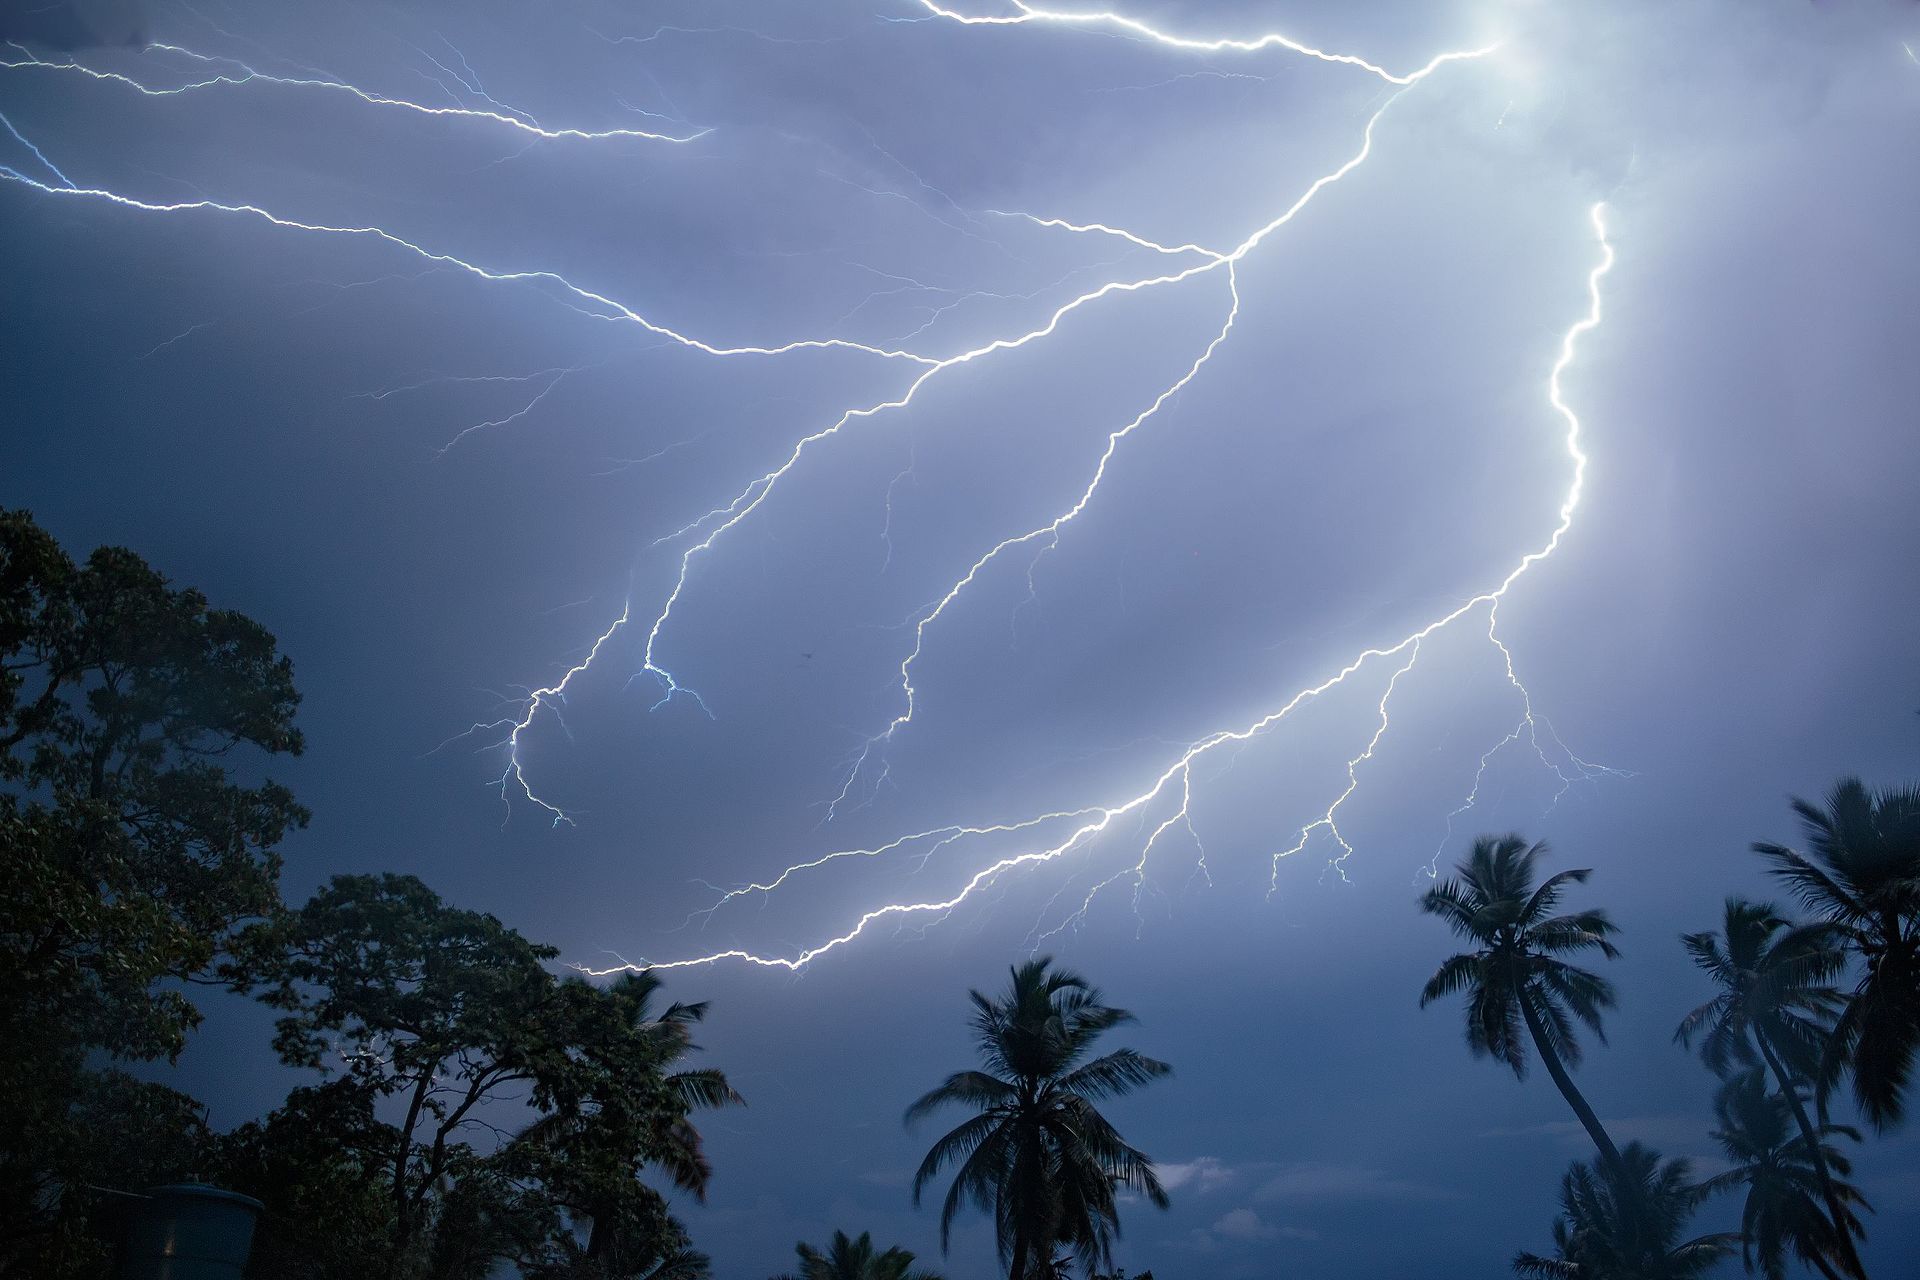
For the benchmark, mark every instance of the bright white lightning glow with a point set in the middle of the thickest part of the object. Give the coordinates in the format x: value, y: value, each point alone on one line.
x: 1029, y: 13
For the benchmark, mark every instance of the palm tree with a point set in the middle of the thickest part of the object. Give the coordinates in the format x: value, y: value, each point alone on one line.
x: 1783, y: 1174
x: 1621, y: 1219
x: 1774, y: 1006
x: 1039, y: 1155
x: 1516, y: 977
x: 1862, y: 871
x: 697, y: 1088
x: 615, y: 1120
x: 855, y: 1260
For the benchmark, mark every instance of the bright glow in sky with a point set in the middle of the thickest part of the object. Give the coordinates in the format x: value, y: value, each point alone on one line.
x: 894, y: 488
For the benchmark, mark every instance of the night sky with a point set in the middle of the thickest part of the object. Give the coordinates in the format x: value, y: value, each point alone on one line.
x: 438, y: 488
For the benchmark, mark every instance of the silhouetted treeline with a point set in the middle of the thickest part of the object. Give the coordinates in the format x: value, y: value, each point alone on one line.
x: 468, y: 1109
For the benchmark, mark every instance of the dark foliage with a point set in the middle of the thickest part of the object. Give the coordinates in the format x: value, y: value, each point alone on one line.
x: 1515, y: 978
x: 1774, y: 1007
x: 1861, y: 871
x: 132, y: 849
x: 847, y: 1259
x: 1623, y: 1218
x: 1039, y: 1156
x: 1787, y: 1179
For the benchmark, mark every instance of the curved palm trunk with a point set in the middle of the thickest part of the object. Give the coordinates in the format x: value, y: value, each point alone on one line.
x: 1849, y: 1258
x: 1560, y: 1077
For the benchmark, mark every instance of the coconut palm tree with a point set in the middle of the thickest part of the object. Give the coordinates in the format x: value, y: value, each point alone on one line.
x: 1781, y: 1171
x: 1622, y: 1218
x: 1039, y: 1155
x: 1774, y: 1006
x: 1861, y: 870
x: 1515, y: 978
x: 847, y: 1259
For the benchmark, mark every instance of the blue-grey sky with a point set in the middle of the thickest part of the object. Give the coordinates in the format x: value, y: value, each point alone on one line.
x: 438, y: 489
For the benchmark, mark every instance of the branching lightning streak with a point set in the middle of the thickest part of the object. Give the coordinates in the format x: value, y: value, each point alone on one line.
x: 1099, y: 820
x: 1051, y: 836
x: 716, y: 523
x: 750, y: 498
x: 1047, y: 535
x: 621, y: 313
x: 38, y: 154
x: 519, y: 122
x: 1028, y: 13
x: 1329, y: 821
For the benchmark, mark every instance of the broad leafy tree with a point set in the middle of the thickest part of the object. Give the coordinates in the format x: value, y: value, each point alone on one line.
x: 437, y: 1009
x: 1515, y: 977
x: 1787, y: 1179
x: 1039, y: 1156
x: 441, y: 1017
x: 1624, y: 1219
x: 319, y: 1164
x: 849, y: 1259
x: 135, y: 839
x: 1861, y: 870
x: 619, y: 1101
x: 1774, y: 1006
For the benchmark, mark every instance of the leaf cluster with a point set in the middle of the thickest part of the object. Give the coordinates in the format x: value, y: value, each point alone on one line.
x: 1039, y: 1156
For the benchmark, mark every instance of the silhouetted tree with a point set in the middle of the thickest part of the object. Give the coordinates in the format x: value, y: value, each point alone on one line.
x: 1039, y: 1155
x: 1515, y: 978
x: 317, y: 1164
x: 437, y: 1008
x: 1622, y: 1219
x: 131, y: 852
x: 846, y: 1259
x: 1782, y: 1173
x: 435, y: 1012
x: 1862, y: 871
x: 1774, y: 1006
x: 618, y: 1106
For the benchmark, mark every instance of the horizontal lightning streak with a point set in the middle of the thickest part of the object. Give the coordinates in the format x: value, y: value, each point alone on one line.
x: 621, y: 312
x: 249, y: 75
x: 1028, y: 13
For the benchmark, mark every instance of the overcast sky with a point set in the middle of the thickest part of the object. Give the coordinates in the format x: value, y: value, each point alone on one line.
x: 438, y: 489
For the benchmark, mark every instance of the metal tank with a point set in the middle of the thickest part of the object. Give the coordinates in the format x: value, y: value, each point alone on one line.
x: 190, y: 1231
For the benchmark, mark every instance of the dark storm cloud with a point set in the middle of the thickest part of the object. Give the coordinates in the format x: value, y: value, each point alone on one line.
x: 75, y: 24
x: 262, y: 411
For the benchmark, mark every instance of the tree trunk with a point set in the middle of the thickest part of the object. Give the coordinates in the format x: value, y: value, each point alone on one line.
x: 1848, y: 1257
x: 402, y: 1201
x: 1591, y: 1121
x: 1018, y: 1270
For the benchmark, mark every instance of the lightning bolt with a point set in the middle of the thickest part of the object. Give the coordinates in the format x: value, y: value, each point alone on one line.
x: 1085, y: 826
x: 1162, y: 811
x: 1026, y: 13
x: 1045, y: 537
x: 506, y: 118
